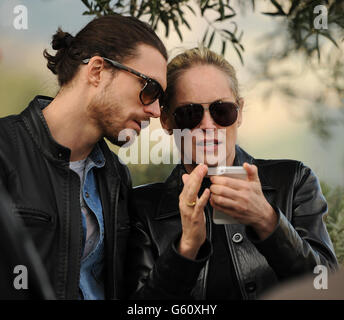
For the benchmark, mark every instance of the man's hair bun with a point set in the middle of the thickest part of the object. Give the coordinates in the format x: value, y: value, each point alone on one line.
x: 61, y: 40
x: 112, y: 36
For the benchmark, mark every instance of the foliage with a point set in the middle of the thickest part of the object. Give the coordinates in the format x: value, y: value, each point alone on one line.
x: 296, y: 31
x: 335, y: 218
x: 321, y: 52
x: 299, y: 15
x: 300, y: 18
x: 176, y: 13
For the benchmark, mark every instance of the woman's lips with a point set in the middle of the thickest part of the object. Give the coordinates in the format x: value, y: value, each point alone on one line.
x: 208, y: 145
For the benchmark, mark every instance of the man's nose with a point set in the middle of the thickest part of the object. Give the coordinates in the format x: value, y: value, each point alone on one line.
x: 153, y: 109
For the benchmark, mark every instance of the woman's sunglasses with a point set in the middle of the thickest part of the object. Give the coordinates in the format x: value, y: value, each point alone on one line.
x: 151, y: 89
x: 190, y: 115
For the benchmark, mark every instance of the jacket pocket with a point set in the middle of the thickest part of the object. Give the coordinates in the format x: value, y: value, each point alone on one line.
x: 33, y: 216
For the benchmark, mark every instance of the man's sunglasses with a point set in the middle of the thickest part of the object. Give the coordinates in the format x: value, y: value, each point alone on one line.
x: 151, y: 89
x: 190, y: 115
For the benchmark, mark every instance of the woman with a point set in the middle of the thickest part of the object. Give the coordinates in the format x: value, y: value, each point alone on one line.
x: 176, y: 251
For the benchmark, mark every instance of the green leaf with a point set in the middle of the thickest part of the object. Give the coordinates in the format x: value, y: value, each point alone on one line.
x: 230, y: 8
x: 240, y: 36
x: 273, y: 13
x: 176, y: 27
x: 236, y: 27
x: 142, y: 8
x: 191, y: 9
x: 317, y: 45
x: 204, y: 7
x: 181, y: 14
x: 221, y: 9
x: 224, y: 45
x: 133, y: 7
x: 228, y: 16
x: 278, y: 6
x: 164, y: 19
x: 328, y: 36
x: 87, y: 4
x: 239, y: 54
x: 211, y: 39
x: 293, y: 6
x: 205, y: 35
x: 231, y: 34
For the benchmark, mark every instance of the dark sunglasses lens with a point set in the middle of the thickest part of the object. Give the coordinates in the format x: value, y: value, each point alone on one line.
x: 188, y: 117
x: 224, y: 113
x: 151, y: 91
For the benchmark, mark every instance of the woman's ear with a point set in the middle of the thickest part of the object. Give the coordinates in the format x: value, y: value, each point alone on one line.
x: 166, y: 122
x: 241, y: 107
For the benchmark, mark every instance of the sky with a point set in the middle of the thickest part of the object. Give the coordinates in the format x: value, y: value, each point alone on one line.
x: 270, y: 130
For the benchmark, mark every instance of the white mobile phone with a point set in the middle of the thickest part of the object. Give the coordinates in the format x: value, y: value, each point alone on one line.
x: 233, y: 172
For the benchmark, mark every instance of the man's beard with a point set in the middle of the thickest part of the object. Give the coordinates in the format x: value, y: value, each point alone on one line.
x: 115, y: 141
x: 102, y: 114
x: 125, y: 138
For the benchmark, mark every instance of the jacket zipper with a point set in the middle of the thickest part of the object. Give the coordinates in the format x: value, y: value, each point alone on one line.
x: 81, y: 235
x: 79, y: 186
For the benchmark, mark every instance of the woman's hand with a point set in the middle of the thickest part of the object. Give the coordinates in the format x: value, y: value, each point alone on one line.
x: 244, y: 200
x: 192, y: 212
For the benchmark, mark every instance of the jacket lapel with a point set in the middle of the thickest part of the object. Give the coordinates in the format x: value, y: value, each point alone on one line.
x: 169, y: 201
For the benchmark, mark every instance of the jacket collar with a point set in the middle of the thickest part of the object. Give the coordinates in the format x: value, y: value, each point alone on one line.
x: 168, y: 205
x: 38, y: 129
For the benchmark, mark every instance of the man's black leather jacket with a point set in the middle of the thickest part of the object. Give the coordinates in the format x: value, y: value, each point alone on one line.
x: 34, y: 169
x: 300, y: 241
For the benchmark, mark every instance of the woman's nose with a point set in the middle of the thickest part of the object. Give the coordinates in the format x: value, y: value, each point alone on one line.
x: 207, y: 121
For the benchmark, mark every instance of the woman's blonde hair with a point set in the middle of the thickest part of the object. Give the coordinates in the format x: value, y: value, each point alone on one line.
x: 191, y: 58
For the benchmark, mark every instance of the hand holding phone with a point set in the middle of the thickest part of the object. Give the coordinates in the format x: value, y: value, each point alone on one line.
x: 236, y: 172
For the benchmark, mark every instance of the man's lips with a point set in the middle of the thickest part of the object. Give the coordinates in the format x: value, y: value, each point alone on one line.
x: 145, y: 123
x: 142, y: 123
x: 137, y: 126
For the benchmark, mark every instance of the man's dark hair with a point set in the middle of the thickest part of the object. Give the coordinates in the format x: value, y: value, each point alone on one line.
x: 114, y: 36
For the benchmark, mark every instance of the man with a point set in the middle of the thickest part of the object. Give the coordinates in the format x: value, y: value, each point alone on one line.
x: 67, y: 186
